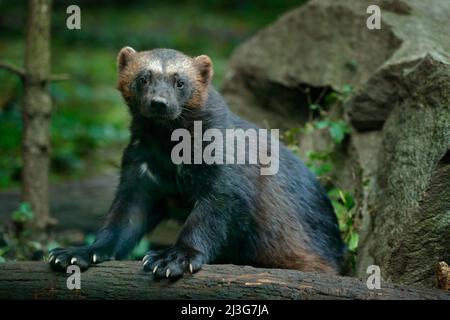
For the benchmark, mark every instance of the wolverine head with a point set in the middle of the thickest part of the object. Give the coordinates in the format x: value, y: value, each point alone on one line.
x: 160, y: 83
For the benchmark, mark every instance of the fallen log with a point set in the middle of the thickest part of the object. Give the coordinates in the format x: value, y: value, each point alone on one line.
x: 80, y: 205
x: 127, y: 280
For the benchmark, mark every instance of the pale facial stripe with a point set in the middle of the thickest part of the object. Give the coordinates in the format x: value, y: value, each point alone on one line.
x: 155, y: 65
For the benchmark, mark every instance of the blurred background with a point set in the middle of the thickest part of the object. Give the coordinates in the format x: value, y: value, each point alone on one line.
x: 89, y: 126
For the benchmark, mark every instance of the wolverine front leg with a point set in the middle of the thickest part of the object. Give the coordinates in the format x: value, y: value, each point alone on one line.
x: 129, y: 217
x: 124, y: 228
x: 200, y: 241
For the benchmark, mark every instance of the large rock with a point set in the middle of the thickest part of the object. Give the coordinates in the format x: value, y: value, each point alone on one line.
x: 397, y: 160
x: 322, y: 44
x: 409, y: 206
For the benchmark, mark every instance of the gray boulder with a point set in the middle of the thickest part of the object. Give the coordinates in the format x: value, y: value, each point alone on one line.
x: 396, y: 162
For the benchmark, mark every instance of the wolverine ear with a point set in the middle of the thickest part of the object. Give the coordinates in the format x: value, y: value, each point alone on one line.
x: 124, y: 57
x: 204, y: 65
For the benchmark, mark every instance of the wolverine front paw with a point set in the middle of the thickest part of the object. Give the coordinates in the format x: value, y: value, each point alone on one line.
x: 83, y: 257
x: 173, y: 262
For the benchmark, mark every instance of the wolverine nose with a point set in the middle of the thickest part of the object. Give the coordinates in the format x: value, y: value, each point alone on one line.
x: 159, y: 103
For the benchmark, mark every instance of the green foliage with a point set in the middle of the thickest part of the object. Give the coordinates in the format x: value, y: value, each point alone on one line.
x: 23, y: 215
x: 337, y: 129
x: 343, y: 204
x: 322, y: 162
x: 319, y: 162
x: 18, y: 243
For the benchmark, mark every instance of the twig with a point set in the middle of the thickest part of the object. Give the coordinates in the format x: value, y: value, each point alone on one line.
x: 9, y: 67
x: 21, y: 72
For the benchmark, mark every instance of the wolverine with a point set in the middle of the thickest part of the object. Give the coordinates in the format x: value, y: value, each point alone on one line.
x: 233, y: 214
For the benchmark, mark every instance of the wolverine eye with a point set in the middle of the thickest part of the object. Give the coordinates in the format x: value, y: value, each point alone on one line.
x: 180, y: 84
x: 143, y: 80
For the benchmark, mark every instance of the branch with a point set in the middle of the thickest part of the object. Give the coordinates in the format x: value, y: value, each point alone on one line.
x: 127, y: 280
x: 21, y: 72
x: 9, y: 67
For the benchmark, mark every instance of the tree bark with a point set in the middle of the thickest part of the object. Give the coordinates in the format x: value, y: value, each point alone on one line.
x: 36, y: 112
x: 127, y: 280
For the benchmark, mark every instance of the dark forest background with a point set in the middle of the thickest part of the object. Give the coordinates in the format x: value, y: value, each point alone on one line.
x: 89, y: 124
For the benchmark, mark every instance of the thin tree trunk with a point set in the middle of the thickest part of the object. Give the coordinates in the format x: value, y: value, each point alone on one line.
x: 36, y: 112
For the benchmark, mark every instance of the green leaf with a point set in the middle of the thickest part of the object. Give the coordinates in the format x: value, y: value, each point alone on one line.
x: 318, y: 155
x: 23, y: 214
x: 338, y: 130
x: 347, y: 89
x: 321, y: 169
x: 322, y: 124
x: 342, y: 196
x: 336, y: 133
x: 314, y: 106
x: 331, y: 98
x: 353, y: 242
x: 140, y: 250
x: 346, y: 199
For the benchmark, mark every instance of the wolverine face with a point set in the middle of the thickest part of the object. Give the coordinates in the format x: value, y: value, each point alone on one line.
x: 161, y: 83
